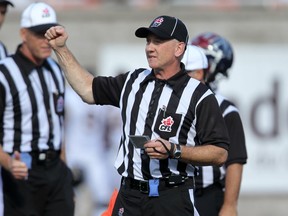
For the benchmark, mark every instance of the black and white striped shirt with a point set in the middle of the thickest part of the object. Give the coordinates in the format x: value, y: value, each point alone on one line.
x: 180, y: 109
x: 237, y: 153
x: 31, y: 104
x: 3, y: 51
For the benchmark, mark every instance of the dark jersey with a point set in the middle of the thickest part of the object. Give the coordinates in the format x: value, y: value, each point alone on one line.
x: 237, y: 153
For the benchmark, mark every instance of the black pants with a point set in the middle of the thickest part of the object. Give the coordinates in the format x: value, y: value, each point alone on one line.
x: 172, y: 201
x: 48, y: 191
x: 208, y: 201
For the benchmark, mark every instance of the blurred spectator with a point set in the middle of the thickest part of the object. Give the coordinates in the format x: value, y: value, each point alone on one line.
x: 69, y: 4
x: 150, y: 4
x: 143, y: 4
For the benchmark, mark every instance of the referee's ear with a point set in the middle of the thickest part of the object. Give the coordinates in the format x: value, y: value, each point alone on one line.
x: 23, y: 33
x: 180, y: 50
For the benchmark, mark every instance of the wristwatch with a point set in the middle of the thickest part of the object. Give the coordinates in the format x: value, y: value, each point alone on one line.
x: 177, y: 153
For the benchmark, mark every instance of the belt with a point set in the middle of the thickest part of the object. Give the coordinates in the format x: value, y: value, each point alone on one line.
x: 45, y: 156
x: 164, y: 183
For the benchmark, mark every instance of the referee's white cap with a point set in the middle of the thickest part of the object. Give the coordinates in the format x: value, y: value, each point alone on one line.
x: 194, y: 58
x: 38, y: 17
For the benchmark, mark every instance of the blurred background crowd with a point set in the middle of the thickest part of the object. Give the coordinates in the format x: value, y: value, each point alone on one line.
x: 102, y: 37
x: 156, y: 3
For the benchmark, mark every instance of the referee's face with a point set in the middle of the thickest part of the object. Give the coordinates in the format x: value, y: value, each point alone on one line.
x: 162, y: 53
x: 35, y: 46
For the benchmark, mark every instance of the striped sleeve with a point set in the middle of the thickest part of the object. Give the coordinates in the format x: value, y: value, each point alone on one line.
x: 3, y: 51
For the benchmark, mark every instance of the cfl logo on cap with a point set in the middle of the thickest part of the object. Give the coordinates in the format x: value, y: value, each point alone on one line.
x: 46, y: 13
x: 157, y: 22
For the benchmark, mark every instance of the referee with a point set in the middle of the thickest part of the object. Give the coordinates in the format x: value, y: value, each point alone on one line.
x: 218, y: 186
x: 35, y: 180
x: 177, y: 113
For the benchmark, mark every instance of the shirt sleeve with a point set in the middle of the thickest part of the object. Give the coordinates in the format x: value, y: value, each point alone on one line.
x: 210, y: 126
x: 107, y: 90
x: 2, y: 99
x: 237, y: 148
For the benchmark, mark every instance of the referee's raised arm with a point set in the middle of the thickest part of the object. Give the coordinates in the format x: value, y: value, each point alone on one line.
x: 79, y: 78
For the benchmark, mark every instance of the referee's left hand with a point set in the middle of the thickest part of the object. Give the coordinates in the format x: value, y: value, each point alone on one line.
x: 156, y: 150
x: 17, y: 167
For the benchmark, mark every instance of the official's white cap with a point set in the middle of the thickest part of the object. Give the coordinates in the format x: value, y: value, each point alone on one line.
x: 194, y: 58
x: 38, y: 17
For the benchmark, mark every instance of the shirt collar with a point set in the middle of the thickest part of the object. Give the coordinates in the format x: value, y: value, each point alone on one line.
x: 24, y: 63
x: 175, y: 82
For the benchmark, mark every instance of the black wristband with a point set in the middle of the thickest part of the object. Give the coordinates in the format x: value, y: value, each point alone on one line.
x: 171, y: 152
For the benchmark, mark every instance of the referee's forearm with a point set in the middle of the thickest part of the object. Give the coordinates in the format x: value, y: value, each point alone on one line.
x: 205, y: 155
x: 80, y: 79
x: 5, y: 159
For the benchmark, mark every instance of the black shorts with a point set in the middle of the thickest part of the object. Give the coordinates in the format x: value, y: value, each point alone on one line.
x: 47, y: 191
x: 212, y: 196
x: 172, y: 201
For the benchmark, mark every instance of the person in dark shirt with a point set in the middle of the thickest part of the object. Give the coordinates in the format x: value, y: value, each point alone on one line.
x: 218, y: 187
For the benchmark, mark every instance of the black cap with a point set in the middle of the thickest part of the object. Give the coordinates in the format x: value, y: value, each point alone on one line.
x: 165, y: 27
x: 6, y: 2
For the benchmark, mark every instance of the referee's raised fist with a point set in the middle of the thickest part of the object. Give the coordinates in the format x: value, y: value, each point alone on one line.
x: 56, y: 37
